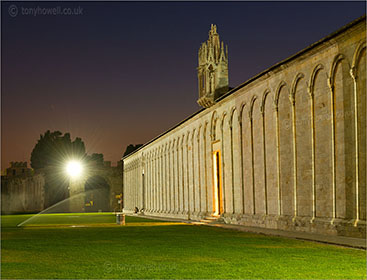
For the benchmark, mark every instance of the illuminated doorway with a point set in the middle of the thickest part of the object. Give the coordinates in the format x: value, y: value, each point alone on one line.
x: 218, y: 202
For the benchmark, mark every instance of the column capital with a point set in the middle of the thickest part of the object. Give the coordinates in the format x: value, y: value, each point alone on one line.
x: 353, y: 73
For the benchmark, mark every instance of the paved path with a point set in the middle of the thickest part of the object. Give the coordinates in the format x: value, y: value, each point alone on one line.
x: 330, y: 239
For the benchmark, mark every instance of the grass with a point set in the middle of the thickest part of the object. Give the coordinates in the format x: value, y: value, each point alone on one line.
x: 49, y: 247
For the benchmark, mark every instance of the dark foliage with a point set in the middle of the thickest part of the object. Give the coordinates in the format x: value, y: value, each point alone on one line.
x: 50, y: 155
x: 96, y: 158
x: 131, y: 148
x: 53, y: 149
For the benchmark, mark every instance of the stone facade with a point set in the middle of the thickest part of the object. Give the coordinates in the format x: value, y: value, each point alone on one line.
x: 284, y: 150
x: 22, y: 194
x: 94, y: 175
x: 18, y: 169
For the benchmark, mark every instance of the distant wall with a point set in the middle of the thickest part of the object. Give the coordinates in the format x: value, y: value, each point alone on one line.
x: 112, y: 176
x: 22, y: 194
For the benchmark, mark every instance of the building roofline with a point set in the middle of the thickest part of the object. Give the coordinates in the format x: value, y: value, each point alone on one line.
x: 292, y: 57
x: 275, y: 66
x: 170, y: 129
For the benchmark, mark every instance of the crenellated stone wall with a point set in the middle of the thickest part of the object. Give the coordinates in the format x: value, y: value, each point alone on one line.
x: 291, y: 145
x: 112, y: 177
x: 22, y: 194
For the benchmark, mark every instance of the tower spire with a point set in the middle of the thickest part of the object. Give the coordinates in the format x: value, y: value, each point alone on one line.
x: 212, y: 69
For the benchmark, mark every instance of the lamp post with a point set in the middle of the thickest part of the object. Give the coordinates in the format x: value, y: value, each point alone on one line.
x: 74, y: 170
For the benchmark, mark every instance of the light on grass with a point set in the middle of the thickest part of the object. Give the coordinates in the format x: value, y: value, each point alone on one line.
x: 74, y: 169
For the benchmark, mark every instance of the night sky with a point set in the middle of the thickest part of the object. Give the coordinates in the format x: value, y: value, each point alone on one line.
x: 124, y: 72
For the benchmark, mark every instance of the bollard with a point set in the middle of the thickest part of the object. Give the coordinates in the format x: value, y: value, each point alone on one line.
x: 120, y: 219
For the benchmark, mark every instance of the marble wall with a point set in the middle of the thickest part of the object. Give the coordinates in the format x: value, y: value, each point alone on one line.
x: 292, y: 145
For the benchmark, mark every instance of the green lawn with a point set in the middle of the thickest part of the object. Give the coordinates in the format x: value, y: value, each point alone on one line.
x: 50, y: 247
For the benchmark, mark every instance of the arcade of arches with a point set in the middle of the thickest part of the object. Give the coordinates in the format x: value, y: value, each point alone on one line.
x: 285, y: 150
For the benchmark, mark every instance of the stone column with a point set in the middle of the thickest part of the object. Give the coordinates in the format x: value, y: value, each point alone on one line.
x: 169, y: 179
x: 182, y: 177
x: 162, y: 183
x: 232, y: 171
x: 155, y: 171
x: 187, y: 178
x: 173, y: 185
x: 242, y: 164
x: 177, y: 181
x: 252, y: 158
x: 332, y: 96
x: 293, y: 102
x: 159, y: 181
x: 353, y: 73
x: 262, y: 108
x: 165, y: 182
x: 278, y: 161
x: 151, y: 183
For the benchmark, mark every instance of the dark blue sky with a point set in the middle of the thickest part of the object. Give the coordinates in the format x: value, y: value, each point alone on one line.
x: 124, y: 72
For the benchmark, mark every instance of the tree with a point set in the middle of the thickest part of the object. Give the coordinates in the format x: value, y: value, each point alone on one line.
x: 97, y: 159
x: 131, y: 148
x: 53, y: 149
x: 50, y: 154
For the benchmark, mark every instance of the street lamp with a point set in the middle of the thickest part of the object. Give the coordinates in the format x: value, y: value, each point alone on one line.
x: 74, y: 168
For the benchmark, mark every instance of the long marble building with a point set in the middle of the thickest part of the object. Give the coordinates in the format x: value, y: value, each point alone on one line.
x: 284, y: 150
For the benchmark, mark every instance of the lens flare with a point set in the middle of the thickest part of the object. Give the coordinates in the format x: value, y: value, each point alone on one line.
x: 74, y: 169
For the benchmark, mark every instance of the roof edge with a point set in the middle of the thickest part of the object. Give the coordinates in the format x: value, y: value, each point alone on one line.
x: 277, y: 65
x: 297, y: 54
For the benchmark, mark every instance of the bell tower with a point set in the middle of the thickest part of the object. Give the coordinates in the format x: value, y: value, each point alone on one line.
x: 212, y: 69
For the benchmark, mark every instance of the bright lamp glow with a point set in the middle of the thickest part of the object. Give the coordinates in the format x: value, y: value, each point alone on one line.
x: 74, y: 168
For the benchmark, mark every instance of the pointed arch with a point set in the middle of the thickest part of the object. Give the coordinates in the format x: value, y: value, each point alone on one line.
x: 173, y: 176
x: 165, y: 177
x: 358, y: 54
x: 192, y: 171
x: 242, y: 108
x: 148, y: 184
x: 314, y: 73
x: 202, y: 169
x: 257, y: 142
x: 233, y: 110
x: 159, y: 178
x: 182, y: 174
x: 302, y: 147
x: 337, y: 86
x: 178, y: 174
x: 263, y: 99
x: 226, y: 163
x: 292, y: 99
x: 358, y: 73
x: 277, y: 92
x: 344, y: 156
x: 196, y: 170
x: 213, y: 121
x: 236, y: 162
x: 270, y: 151
x: 338, y: 58
x: 286, y: 162
x: 208, y: 169
x: 224, y: 114
x: 322, y: 177
x: 187, y: 172
x: 251, y: 109
x: 295, y: 82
